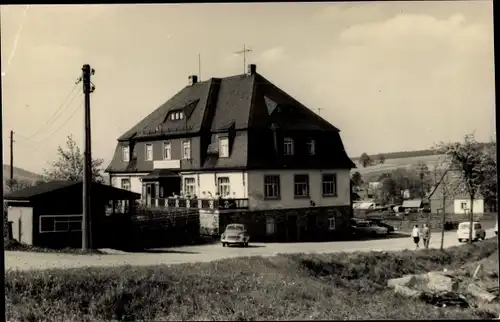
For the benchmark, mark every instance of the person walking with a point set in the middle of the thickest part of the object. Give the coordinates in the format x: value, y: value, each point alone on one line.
x: 426, y: 235
x: 415, y: 233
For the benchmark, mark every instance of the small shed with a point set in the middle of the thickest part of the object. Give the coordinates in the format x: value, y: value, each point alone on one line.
x: 50, y: 214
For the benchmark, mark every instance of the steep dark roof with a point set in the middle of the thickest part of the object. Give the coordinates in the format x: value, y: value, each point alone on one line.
x: 52, y: 186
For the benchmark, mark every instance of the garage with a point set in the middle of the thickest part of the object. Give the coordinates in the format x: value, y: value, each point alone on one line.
x: 50, y: 214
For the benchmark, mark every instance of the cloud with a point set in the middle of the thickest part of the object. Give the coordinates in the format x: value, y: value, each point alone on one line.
x: 351, y: 12
x: 271, y: 55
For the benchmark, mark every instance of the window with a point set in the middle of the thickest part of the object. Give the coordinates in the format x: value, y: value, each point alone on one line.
x: 270, y: 226
x: 125, y: 184
x: 223, y: 186
x: 329, y: 185
x: 477, y: 226
x: 186, y: 150
x: 288, y: 146
x: 224, y: 147
x: 126, y: 153
x: 311, y: 147
x: 63, y: 223
x: 177, y: 115
x: 190, y: 186
x: 167, y: 151
x: 272, y: 187
x: 463, y: 205
x: 149, y: 152
x: 301, y: 185
x: 331, y: 223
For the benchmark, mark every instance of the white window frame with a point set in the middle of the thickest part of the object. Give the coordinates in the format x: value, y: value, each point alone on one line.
x: 66, y: 219
x: 126, y: 153
x: 288, y: 146
x: 311, y: 147
x: 332, y: 222
x: 463, y: 205
x: 149, y: 157
x: 304, y: 186
x: 167, y: 151
x: 270, y: 226
x: 181, y: 115
x: 186, y: 145
x: 329, y: 188
x: 189, y: 187
x: 224, y: 147
x: 125, y: 184
x: 223, y: 186
x: 172, y: 116
x: 272, y: 186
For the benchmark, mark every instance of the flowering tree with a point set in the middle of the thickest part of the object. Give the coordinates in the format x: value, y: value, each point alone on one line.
x: 475, y: 164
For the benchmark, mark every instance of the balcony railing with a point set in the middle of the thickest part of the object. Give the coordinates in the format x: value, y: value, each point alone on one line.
x: 220, y: 204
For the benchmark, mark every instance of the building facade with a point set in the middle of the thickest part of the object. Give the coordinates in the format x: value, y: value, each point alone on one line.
x: 236, y: 144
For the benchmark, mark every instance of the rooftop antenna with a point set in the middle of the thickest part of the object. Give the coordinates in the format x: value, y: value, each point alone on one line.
x: 244, y: 52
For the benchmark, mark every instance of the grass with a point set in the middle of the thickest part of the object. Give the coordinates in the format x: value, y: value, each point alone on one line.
x: 283, y: 287
x: 13, y: 245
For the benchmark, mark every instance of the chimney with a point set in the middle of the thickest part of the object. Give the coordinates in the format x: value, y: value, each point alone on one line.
x: 193, y: 79
x: 252, y: 69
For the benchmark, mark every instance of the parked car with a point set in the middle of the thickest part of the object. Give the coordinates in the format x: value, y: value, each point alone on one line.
x: 390, y: 229
x: 365, y: 227
x: 463, y: 231
x: 496, y: 228
x: 235, y: 234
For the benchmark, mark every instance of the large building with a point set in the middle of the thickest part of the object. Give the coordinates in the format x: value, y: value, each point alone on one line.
x: 244, y: 140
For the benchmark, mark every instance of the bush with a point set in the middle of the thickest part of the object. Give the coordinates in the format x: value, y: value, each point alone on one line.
x: 299, y: 286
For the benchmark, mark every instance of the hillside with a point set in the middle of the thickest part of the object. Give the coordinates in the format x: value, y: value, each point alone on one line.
x: 20, y: 174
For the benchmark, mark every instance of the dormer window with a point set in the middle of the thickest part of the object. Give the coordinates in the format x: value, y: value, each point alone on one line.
x: 288, y: 146
x: 126, y: 153
x: 311, y: 147
x: 176, y: 115
x: 223, y: 147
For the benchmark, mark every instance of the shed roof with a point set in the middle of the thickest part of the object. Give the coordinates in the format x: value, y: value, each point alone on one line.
x: 100, y: 189
x: 415, y: 203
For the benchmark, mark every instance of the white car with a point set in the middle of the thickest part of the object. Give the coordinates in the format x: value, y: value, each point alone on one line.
x: 496, y: 228
x: 463, y: 231
x: 235, y: 234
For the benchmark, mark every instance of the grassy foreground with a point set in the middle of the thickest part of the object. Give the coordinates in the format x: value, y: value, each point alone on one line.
x: 284, y: 287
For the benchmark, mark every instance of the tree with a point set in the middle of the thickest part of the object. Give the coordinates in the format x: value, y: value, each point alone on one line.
x: 17, y: 184
x: 423, y: 174
x: 357, y: 179
x: 474, y: 163
x: 365, y: 160
x: 69, y: 164
x: 381, y: 159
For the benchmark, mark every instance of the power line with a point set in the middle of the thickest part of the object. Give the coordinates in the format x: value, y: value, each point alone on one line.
x: 55, y: 115
x: 64, y: 123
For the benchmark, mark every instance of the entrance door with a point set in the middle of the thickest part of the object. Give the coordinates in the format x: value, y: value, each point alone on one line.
x: 149, y: 194
x: 292, y: 228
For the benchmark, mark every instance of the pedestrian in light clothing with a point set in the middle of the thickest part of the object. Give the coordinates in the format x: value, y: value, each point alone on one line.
x: 415, y: 233
x: 426, y: 235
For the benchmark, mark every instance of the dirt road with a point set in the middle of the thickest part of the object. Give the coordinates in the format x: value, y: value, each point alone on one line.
x: 207, y: 253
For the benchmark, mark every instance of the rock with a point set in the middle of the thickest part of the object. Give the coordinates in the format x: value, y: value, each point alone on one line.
x: 407, y: 281
x: 480, y: 294
x: 492, y: 308
x: 406, y: 291
x: 437, y: 282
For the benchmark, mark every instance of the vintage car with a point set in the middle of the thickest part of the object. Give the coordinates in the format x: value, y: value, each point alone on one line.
x: 463, y: 231
x: 367, y: 228
x: 235, y: 234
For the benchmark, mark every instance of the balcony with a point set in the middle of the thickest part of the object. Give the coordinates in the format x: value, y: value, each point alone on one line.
x: 218, y: 204
x: 167, y: 164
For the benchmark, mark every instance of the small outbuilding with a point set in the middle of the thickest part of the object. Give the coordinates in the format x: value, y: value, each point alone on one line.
x: 50, y: 214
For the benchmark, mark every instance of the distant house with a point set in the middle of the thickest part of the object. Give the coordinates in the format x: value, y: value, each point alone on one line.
x: 455, y: 202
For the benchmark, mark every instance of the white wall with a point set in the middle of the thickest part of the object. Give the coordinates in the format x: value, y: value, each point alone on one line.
x: 207, y: 182
x: 287, y: 200
x: 135, y: 182
x: 478, y: 206
x: 22, y: 224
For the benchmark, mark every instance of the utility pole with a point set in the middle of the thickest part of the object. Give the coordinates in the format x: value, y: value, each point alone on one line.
x: 88, y: 88
x: 11, y: 161
x: 199, y: 67
x: 319, y: 111
x: 244, y: 52
x: 443, y: 191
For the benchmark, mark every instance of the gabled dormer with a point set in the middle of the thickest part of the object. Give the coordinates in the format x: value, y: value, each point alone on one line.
x: 222, y: 142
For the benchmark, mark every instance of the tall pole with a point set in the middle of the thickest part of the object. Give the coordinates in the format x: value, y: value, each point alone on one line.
x: 88, y: 88
x: 11, y: 161
x: 199, y: 67
x: 443, y: 189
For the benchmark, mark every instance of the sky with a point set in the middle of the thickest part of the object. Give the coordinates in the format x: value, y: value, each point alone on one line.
x: 392, y: 76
